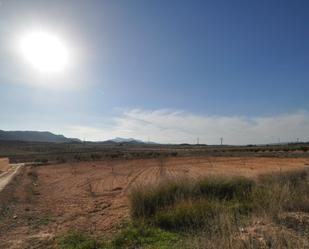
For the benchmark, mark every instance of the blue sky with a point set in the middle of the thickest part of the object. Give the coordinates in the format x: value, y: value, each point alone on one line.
x: 168, y: 70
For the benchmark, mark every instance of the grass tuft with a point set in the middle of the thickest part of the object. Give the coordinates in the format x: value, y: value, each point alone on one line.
x: 78, y: 240
x: 147, y: 201
x: 143, y: 236
x: 132, y: 236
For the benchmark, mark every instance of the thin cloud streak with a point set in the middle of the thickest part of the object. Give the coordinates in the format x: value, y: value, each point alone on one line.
x: 173, y: 126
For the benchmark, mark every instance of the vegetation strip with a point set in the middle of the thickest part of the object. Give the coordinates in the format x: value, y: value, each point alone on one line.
x: 209, y: 213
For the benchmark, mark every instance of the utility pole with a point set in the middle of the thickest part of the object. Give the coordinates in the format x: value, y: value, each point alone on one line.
x: 221, y: 139
x: 197, y: 140
x: 297, y: 140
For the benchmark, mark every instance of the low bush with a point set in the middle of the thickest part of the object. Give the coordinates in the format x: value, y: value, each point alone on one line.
x: 225, y: 188
x: 183, y: 204
x: 143, y: 236
x: 288, y: 191
x: 188, y: 215
x: 130, y: 237
x: 292, y: 178
x: 77, y: 240
x: 146, y: 201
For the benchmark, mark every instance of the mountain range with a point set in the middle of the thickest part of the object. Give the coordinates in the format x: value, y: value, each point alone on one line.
x: 46, y: 136
x: 125, y: 140
x: 35, y: 136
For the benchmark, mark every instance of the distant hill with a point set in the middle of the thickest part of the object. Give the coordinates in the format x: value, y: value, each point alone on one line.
x: 125, y: 140
x: 35, y: 136
x: 120, y: 140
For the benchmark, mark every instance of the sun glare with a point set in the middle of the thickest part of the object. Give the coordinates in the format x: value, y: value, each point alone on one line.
x: 44, y: 51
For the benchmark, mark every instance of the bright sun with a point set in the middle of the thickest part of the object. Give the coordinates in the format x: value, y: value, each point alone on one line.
x: 44, y: 51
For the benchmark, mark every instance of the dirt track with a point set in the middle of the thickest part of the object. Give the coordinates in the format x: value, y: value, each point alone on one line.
x: 8, y: 175
x: 47, y: 200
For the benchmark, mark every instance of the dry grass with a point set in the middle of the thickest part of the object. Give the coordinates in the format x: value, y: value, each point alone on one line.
x: 213, y: 213
x: 232, y: 213
x: 147, y: 200
x: 288, y: 191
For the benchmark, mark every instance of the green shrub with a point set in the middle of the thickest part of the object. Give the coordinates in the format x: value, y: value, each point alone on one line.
x: 188, y: 215
x: 77, y: 240
x: 225, y: 188
x: 146, y: 201
x: 143, y: 236
x: 201, y: 214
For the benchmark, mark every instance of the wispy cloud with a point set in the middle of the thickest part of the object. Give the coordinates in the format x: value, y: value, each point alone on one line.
x: 173, y: 126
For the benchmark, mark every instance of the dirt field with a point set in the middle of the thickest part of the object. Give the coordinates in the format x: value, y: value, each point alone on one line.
x: 44, y: 201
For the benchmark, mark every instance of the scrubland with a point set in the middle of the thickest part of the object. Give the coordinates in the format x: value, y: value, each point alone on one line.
x: 164, y: 202
x: 271, y: 211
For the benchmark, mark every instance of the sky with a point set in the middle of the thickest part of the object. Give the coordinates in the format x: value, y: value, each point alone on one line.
x: 168, y: 71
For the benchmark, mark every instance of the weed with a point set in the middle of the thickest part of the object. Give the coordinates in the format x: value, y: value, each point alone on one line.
x: 78, y: 240
x: 224, y: 188
x: 130, y: 237
x: 36, y: 222
x: 189, y: 215
x: 146, y: 201
x: 287, y: 191
x: 143, y: 236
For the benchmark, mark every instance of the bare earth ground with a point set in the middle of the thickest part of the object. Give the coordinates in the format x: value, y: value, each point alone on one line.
x: 44, y: 201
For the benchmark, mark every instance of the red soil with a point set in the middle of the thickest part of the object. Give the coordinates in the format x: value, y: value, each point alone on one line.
x: 44, y: 201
